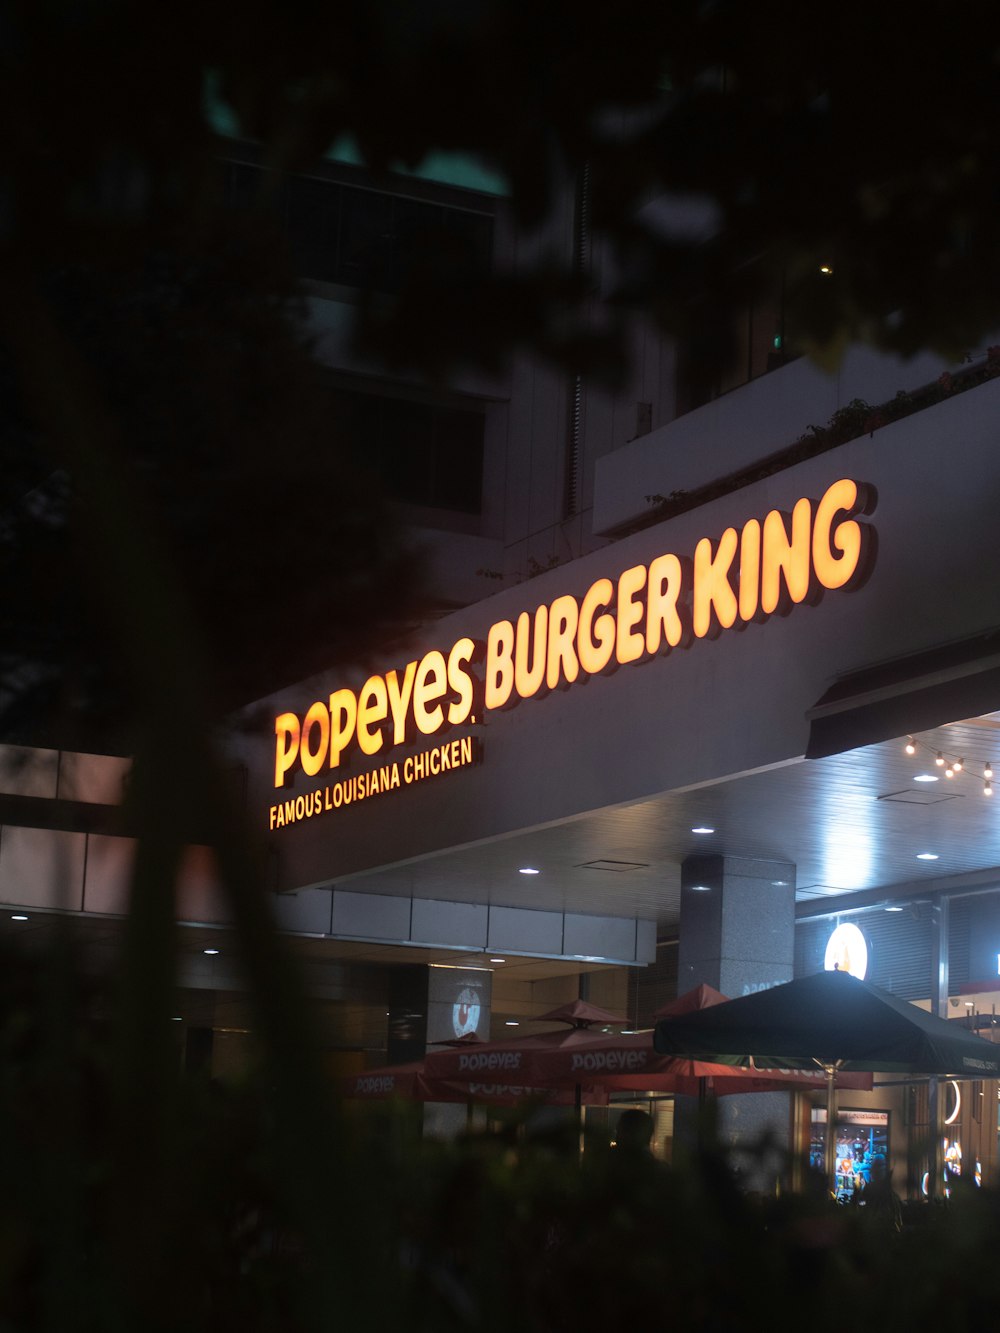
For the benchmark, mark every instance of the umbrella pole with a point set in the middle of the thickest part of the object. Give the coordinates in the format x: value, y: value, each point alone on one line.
x: 935, y: 1149
x: 703, y: 1136
x: 830, y: 1143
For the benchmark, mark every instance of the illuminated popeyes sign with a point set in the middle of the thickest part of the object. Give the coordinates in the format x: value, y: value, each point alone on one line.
x: 765, y: 568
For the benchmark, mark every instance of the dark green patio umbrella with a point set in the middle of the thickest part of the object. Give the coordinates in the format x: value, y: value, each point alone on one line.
x: 832, y: 1020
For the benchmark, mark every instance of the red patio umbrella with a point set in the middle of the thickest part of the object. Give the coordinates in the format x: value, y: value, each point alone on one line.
x: 618, y: 1061
x: 581, y: 1014
x: 699, y: 997
x: 410, y: 1082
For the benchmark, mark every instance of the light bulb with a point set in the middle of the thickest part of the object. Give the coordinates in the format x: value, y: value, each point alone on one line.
x: 987, y: 789
x: 939, y: 760
x: 949, y: 772
x: 958, y: 765
x: 988, y: 771
x: 909, y: 747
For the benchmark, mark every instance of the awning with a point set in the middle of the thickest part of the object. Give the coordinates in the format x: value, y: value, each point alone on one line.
x: 907, y: 695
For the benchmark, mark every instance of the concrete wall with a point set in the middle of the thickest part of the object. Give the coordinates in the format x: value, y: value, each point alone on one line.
x: 743, y: 426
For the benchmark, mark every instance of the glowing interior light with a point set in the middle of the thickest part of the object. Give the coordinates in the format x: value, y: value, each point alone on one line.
x: 702, y: 828
x: 528, y: 870
x: 847, y: 951
x: 925, y: 777
x: 988, y: 771
x: 909, y: 747
x: 927, y: 856
x: 939, y: 760
x: 950, y: 1119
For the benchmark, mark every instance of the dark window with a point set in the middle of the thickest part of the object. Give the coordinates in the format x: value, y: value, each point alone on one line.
x: 423, y: 454
x: 458, y: 440
x: 344, y: 233
x: 364, y: 255
x: 720, y: 355
x: 312, y: 227
x: 241, y: 184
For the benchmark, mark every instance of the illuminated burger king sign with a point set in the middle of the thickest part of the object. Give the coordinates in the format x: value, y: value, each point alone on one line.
x: 765, y: 568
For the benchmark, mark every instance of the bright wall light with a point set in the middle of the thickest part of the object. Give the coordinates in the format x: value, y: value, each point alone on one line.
x: 847, y: 951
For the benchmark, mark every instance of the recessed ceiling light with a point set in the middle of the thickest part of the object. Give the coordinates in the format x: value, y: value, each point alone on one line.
x: 927, y: 856
x: 498, y: 960
x: 528, y: 870
x: 779, y: 883
x: 925, y: 777
x: 19, y: 916
x: 511, y: 1023
x: 702, y: 828
x: 893, y: 909
x: 175, y: 1019
x: 700, y: 888
x: 210, y: 951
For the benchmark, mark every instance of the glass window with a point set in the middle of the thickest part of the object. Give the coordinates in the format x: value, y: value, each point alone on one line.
x: 313, y: 217
x: 344, y: 233
x: 424, y: 454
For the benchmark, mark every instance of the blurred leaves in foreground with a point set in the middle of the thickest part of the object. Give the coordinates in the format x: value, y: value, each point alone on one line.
x: 205, y: 1215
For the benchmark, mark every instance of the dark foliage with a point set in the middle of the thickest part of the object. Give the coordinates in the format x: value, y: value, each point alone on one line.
x: 283, y: 550
x: 194, y: 1211
x: 153, y: 335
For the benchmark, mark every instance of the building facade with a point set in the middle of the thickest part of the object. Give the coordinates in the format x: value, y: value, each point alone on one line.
x: 655, y: 732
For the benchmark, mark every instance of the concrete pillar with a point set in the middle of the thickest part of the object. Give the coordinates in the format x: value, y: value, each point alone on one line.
x: 737, y: 927
x: 458, y: 1002
x: 737, y: 933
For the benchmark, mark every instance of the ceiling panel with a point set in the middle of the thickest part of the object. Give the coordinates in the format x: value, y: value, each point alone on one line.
x: 848, y: 823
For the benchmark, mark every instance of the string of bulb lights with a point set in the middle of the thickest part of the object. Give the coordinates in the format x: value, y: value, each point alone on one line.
x: 951, y: 767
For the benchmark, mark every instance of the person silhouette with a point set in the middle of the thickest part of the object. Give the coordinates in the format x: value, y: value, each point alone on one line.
x: 634, y: 1131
